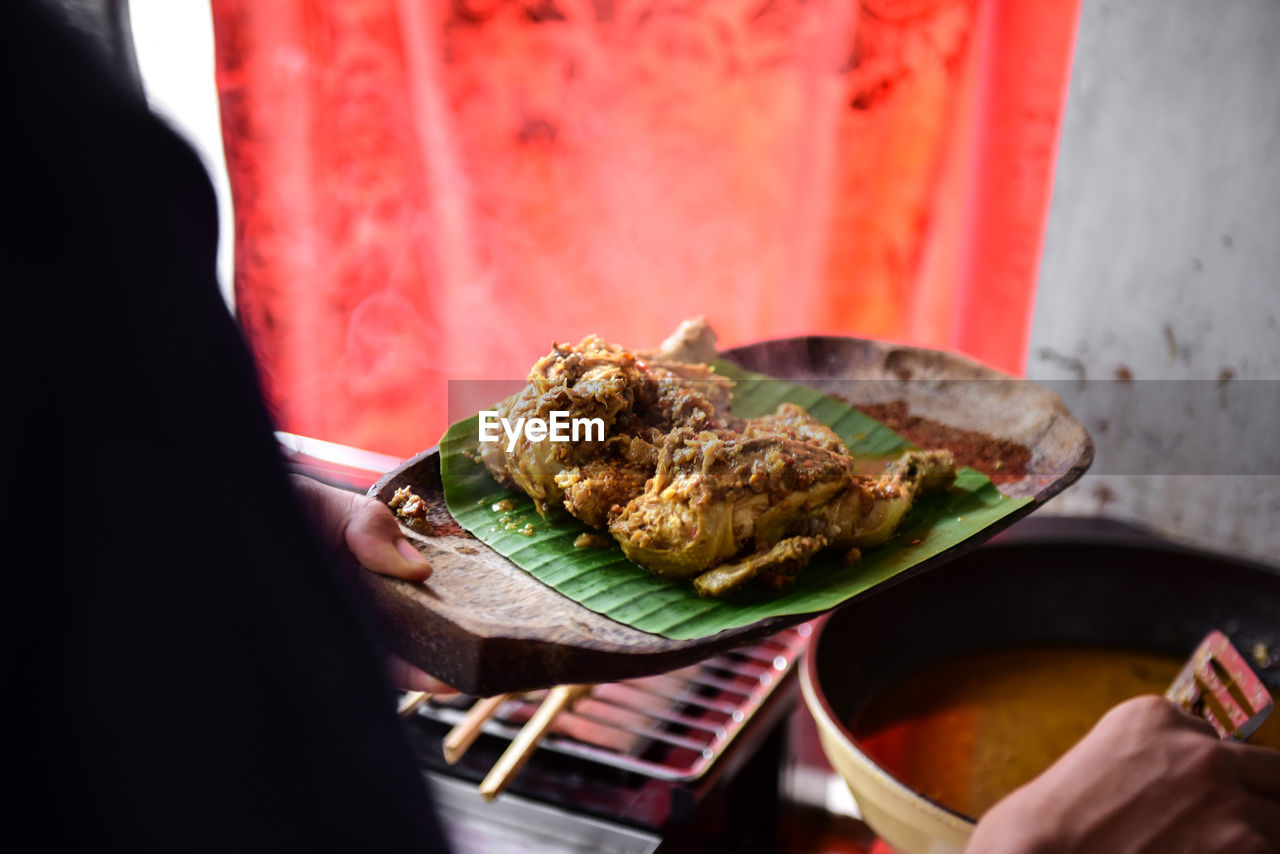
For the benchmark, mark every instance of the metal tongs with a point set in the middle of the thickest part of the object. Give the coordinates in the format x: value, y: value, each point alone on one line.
x: 1218, y: 685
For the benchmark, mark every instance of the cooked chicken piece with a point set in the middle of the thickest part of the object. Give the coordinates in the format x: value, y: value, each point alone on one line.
x: 718, y: 495
x: 597, y: 491
x: 685, y: 396
x: 869, y: 512
x: 693, y: 342
x: 794, y: 422
x: 533, y: 466
x: 687, y: 489
x: 716, y: 492
x: 412, y: 511
x: 784, y: 560
x: 633, y: 399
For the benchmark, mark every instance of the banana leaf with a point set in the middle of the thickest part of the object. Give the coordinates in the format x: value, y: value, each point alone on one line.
x: 604, y: 580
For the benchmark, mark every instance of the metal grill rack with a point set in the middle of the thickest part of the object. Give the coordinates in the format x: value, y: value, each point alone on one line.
x: 668, y: 727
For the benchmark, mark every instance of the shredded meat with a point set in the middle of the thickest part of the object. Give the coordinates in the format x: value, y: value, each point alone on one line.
x: 688, y: 490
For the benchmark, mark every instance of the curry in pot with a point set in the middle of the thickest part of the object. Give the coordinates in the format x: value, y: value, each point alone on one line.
x: 967, y: 731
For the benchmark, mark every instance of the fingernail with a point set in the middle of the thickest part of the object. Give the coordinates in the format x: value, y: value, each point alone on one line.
x: 412, y: 555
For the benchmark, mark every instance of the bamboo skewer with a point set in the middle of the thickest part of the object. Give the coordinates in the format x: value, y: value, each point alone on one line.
x: 522, y: 746
x: 467, y: 730
x: 410, y: 701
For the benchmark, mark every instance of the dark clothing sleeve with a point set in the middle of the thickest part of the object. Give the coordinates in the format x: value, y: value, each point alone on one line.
x: 187, y: 668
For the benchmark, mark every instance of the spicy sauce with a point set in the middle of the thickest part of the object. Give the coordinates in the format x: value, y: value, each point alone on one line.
x: 967, y: 731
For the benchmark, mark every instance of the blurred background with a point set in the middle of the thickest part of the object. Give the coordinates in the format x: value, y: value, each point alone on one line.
x: 1084, y: 193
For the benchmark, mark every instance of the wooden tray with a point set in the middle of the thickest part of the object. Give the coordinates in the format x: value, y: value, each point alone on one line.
x: 485, y: 626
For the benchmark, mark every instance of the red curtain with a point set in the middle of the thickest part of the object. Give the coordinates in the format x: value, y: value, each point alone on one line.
x: 429, y: 191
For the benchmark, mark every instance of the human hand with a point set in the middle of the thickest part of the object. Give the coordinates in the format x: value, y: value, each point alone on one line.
x: 367, y: 530
x: 1147, y: 779
x: 363, y: 528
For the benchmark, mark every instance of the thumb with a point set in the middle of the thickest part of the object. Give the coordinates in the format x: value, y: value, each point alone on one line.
x: 374, y: 538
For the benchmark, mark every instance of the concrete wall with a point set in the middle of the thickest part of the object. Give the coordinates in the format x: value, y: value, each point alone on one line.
x: 1162, y: 263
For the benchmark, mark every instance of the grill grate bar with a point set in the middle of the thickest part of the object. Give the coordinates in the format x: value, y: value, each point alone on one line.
x: 730, y: 686
x: 714, y: 729
x: 668, y: 727
x: 683, y: 696
x: 668, y: 715
x: 651, y: 733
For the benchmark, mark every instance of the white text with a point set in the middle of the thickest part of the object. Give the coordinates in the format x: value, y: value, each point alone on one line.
x: 558, y: 428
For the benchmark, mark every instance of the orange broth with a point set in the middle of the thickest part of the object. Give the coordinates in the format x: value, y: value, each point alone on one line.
x: 966, y: 731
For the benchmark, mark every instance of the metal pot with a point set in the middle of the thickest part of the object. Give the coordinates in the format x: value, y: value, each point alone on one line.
x: 1044, y: 581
